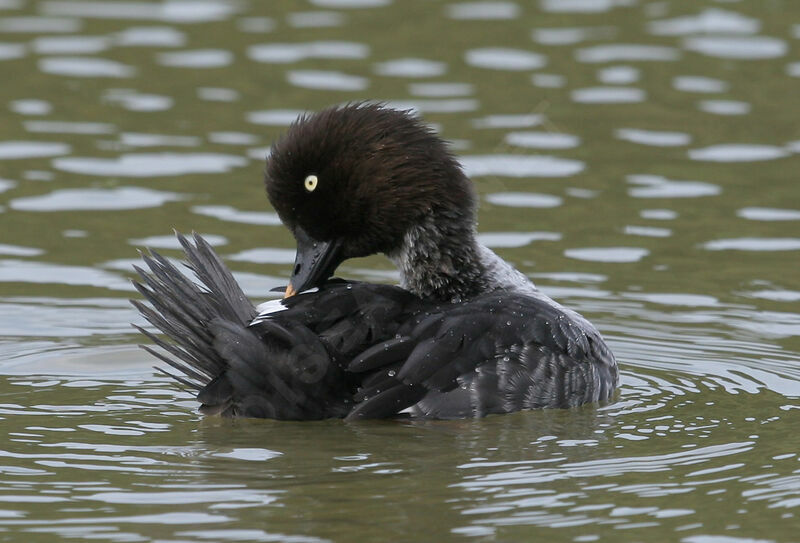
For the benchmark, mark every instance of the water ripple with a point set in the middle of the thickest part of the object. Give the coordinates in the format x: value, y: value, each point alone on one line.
x: 327, y: 80
x: 608, y: 95
x: 95, y: 199
x: 754, y: 244
x: 655, y: 186
x: 85, y: 67
x: 769, y: 214
x: 607, y: 254
x: 739, y: 47
x: 626, y: 52
x: 198, y: 58
x: 150, y: 36
x: 285, y: 53
x: 524, y: 199
x: 724, y: 107
x: 653, y: 137
x: 520, y: 166
x: 10, y: 150
x: 410, y: 67
x: 499, y: 58
x: 708, y: 21
x: 70, y: 45
x: 542, y: 140
x: 151, y: 165
x: 738, y: 152
x: 483, y: 11
x: 174, y: 11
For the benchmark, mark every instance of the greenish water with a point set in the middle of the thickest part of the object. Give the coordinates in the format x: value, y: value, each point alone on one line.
x: 639, y: 160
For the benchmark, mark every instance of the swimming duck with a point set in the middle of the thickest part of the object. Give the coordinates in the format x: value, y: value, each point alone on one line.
x: 463, y: 335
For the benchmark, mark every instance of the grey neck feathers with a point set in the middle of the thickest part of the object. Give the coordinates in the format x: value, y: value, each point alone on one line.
x: 443, y: 261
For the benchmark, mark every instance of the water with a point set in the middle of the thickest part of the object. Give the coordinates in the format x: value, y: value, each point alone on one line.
x: 637, y: 159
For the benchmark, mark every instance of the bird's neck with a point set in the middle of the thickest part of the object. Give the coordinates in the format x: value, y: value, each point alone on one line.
x: 442, y: 260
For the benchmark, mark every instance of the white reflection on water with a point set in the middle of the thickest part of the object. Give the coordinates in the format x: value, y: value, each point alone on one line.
x: 626, y: 52
x: 233, y: 138
x: 486, y: 11
x: 696, y: 83
x: 39, y: 25
x: 754, y: 244
x: 57, y: 317
x: 6, y: 184
x: 656, y: 186
x: 227, y: 213
x: 582, y: 6
x: 327, y: 80
x: 285, y: 53
x: 618, y: 75
x: 708, y: 21
x: 769, y: 214
x: 85, y: 67
x: 197, y: 58
x: 17, y: 250
x: 654, y: 138
x: 647, y: 231
x: 95, y: 199
x: 351, y: 4
x: 570, y: 35
x: 542, y: 140
x: 738, y: 152
x: 440, y: 90
x: 410, y: 67
x: 176, y: 11
x: 274, y: 117
x: 608, y: 95
x: 10, y: 150
x: 135, y: 139
x: 149, y: 36
x: 24, y: 271
x: 171, y: 242
x: 520, y: 166
x: 10, y: 51
x: 607, y: 254
x: 68, y: 127
x: 515, y: 239
x: 738, y: 47
x: 265, y: 255
x: 524, y: 199
x: 725, y: 107
x: 133, y: 101
x: 520, y: 120
x: 499, y: 58
x: 70, y: 45
x: 151, y: 164
x: 30, y: 106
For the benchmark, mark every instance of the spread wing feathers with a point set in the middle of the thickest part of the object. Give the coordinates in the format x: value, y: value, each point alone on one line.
x: 281, y: 370
x: 488, y: 355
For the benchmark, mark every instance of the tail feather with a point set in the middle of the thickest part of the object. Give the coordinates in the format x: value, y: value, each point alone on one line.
x: 182, y: 310
x: 279, y: 370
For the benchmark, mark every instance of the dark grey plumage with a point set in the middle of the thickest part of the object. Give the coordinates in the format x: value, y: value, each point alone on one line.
x: 467, y: 336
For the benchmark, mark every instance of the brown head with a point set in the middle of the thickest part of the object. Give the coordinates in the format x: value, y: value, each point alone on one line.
x: 352, y: 180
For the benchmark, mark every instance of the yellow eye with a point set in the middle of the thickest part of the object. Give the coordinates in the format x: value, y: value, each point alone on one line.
x: 311, y: 182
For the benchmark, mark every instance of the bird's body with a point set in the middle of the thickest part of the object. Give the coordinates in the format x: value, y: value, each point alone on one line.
x: 465, y: 335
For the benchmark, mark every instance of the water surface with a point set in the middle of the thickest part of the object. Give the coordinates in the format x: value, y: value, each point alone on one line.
x: 638, y: 160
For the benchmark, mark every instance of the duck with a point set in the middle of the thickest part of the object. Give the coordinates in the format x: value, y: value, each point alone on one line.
x: 464, y: 334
